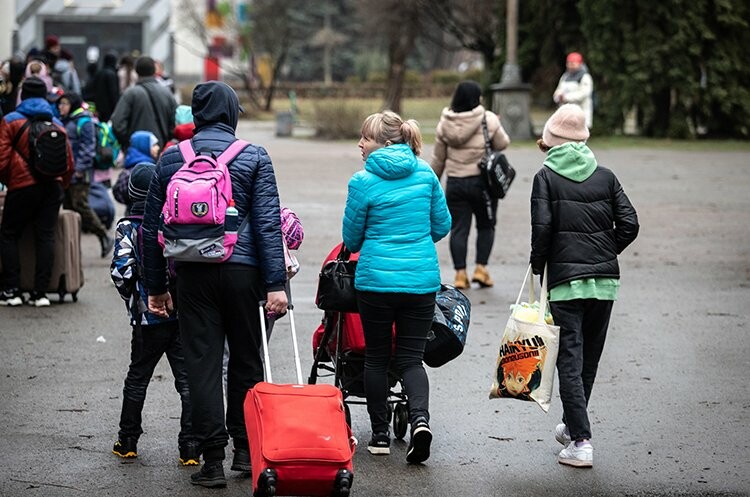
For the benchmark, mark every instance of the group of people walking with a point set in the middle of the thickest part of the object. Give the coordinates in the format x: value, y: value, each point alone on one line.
x: 396, y: 211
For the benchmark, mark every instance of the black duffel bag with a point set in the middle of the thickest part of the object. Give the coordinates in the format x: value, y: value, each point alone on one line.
x: 450, y: 325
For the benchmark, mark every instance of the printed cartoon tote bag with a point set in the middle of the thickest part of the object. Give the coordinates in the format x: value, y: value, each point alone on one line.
x: 525, y: 368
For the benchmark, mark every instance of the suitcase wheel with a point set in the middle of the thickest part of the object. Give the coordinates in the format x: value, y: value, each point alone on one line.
x: 400, y: 421
x: 266, y: 484
x: 343, y: 484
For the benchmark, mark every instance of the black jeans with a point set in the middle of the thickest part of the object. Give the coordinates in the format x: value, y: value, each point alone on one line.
x: 218, y: 302
x: 148, y: 345
x: 38, y: 205
x: 468, y: 197
x: 583, y: 329
x: 413, y: 315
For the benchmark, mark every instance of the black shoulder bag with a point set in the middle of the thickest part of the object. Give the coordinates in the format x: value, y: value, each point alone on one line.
x: 496, y: 170
x: 336, y: 290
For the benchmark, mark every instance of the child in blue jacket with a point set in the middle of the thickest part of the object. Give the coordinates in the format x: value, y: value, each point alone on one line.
x: 152, y: 336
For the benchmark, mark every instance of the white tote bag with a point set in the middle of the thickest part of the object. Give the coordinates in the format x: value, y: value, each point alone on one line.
x: 525, y: 367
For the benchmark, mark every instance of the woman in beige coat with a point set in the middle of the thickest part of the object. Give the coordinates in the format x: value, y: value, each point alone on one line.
x: 459, y: 146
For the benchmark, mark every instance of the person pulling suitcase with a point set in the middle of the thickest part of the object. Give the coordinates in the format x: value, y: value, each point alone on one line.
x: 218, y: 299
x: 35, y: 184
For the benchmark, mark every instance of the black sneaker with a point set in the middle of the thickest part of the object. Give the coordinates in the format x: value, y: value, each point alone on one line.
x: 380, y: 444
x: 126, y: 448
x: 189, y: 455
x: 241, y: 460
x: 419, y: 444
x: 11, y: 298
x: 211, y: 475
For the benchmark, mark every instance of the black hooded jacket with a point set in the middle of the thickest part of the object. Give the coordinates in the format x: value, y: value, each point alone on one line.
x: 106, y: 88
x: 216, y: 112
x: 579, y: 226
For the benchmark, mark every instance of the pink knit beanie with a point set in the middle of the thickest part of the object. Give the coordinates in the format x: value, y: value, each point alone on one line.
x: 567, y: 124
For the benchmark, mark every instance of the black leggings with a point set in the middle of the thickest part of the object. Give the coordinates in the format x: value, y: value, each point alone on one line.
x: 412, y: 314
x: 468, y: 197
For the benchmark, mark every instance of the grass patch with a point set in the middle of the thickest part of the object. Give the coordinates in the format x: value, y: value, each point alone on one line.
x: 427, y: 112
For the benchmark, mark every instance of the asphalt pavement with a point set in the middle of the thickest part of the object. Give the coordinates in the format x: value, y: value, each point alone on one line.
x: 670, y: 410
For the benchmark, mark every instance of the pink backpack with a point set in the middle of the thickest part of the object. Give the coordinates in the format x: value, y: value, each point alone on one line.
x: 199, y: 220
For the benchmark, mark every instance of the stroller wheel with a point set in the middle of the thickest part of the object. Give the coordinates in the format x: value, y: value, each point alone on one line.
x: 400, y: 421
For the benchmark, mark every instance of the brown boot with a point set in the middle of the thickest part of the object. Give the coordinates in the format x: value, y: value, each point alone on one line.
x: 482, y: 277
x: 462, y: 280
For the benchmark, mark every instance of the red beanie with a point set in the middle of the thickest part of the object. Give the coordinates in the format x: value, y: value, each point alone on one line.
x: 575, y: 57
x: 51, y: 41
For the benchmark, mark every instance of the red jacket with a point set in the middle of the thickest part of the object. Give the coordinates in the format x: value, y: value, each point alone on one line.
x: 14, y: 171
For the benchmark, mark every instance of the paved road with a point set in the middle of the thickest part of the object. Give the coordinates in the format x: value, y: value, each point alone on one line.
x: 670, y: 410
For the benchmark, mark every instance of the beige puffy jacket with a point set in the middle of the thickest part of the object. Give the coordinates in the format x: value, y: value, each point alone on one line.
x: 459, y: 141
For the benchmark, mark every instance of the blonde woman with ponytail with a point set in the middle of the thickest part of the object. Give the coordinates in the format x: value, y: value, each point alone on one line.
x: 395, y: 212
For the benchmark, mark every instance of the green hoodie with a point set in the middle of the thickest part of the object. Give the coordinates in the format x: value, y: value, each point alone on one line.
x: 573, y: 160
x: 576, y: 162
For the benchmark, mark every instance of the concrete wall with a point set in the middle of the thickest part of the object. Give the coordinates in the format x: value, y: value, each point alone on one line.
x: 7, y: 21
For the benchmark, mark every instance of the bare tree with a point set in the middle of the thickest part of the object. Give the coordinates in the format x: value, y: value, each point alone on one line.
x: 476, y: 24
x: 190, y: 15
x: 398, y: 23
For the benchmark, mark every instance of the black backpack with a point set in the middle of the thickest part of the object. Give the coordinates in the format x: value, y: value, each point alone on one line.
x: 48, y: 147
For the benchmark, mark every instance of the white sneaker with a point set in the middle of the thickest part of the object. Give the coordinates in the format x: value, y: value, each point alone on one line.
x: 579, y: 456
x: 562, y: 434
x: 38, y: 300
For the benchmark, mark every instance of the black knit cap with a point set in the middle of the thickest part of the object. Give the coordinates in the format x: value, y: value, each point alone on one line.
x: 139, y: 180
x: 466, y: 96
x: 33, y: 87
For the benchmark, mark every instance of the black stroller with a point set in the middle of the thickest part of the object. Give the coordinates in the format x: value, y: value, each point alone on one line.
x: 339, y: 351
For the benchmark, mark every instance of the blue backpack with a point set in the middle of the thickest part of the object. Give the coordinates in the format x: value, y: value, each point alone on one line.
x: 107, y: 147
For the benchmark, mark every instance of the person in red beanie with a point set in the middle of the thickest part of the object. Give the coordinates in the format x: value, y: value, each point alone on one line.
x: 52, y: 50
x: 576, y: 87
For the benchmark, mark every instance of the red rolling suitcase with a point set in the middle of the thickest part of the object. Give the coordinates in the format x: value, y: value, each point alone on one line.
x: 300, y: 443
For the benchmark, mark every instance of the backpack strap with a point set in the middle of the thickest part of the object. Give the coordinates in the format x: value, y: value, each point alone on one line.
x: 186, y: 149
x: 80, y: 122
x: 232, y: 151
x: 18, y: 137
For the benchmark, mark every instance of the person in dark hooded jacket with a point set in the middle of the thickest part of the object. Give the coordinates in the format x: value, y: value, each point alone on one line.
x: 220, y: 300
x: 106, y: 88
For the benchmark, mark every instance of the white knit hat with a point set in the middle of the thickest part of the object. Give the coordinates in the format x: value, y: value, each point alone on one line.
x: 567, y: 124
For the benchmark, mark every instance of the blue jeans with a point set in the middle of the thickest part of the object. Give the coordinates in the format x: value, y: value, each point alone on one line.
x: 583, y: 329
x: 412, y: 314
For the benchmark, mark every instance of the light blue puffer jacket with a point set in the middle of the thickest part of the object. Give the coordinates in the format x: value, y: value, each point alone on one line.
x: 395, y: 212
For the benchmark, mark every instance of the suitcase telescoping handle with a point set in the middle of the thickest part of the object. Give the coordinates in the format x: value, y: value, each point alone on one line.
x: 266, y: 359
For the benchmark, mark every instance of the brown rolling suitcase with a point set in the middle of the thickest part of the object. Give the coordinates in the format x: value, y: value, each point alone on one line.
x: 67, y: 271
